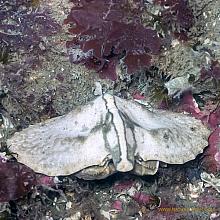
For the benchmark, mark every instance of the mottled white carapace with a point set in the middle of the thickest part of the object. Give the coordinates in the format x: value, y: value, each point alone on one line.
x: 107, y: 135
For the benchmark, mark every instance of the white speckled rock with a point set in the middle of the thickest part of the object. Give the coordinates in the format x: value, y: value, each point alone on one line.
x: 107, y: 135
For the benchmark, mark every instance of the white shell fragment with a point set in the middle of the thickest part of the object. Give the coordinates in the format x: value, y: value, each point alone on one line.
x: 211, y: 180
x: 107, y: 135
x: 177, y: 84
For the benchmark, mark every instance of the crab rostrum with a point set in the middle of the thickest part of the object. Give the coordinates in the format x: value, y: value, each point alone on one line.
x: 107, y: 135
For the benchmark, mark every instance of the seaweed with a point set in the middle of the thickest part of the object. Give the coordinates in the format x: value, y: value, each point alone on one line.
x: 106, y: 32
x: 177, y: 17
x: 16, y: 180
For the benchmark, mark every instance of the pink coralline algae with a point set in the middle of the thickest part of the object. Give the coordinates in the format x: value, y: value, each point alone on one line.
x: 24, y: 29
x: 211, y: 160
x: 137, y: 95
x: 117, y: 205
x: 107, y: 31
x: 16, y: 180
x: 45, y: 180
x: 23, y: 34
x: 211, y: 156
x: 214, y: 118
x: 145, y: 199
x: 123, y: 185
x: 189, y: 105
x: 210, y: 199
